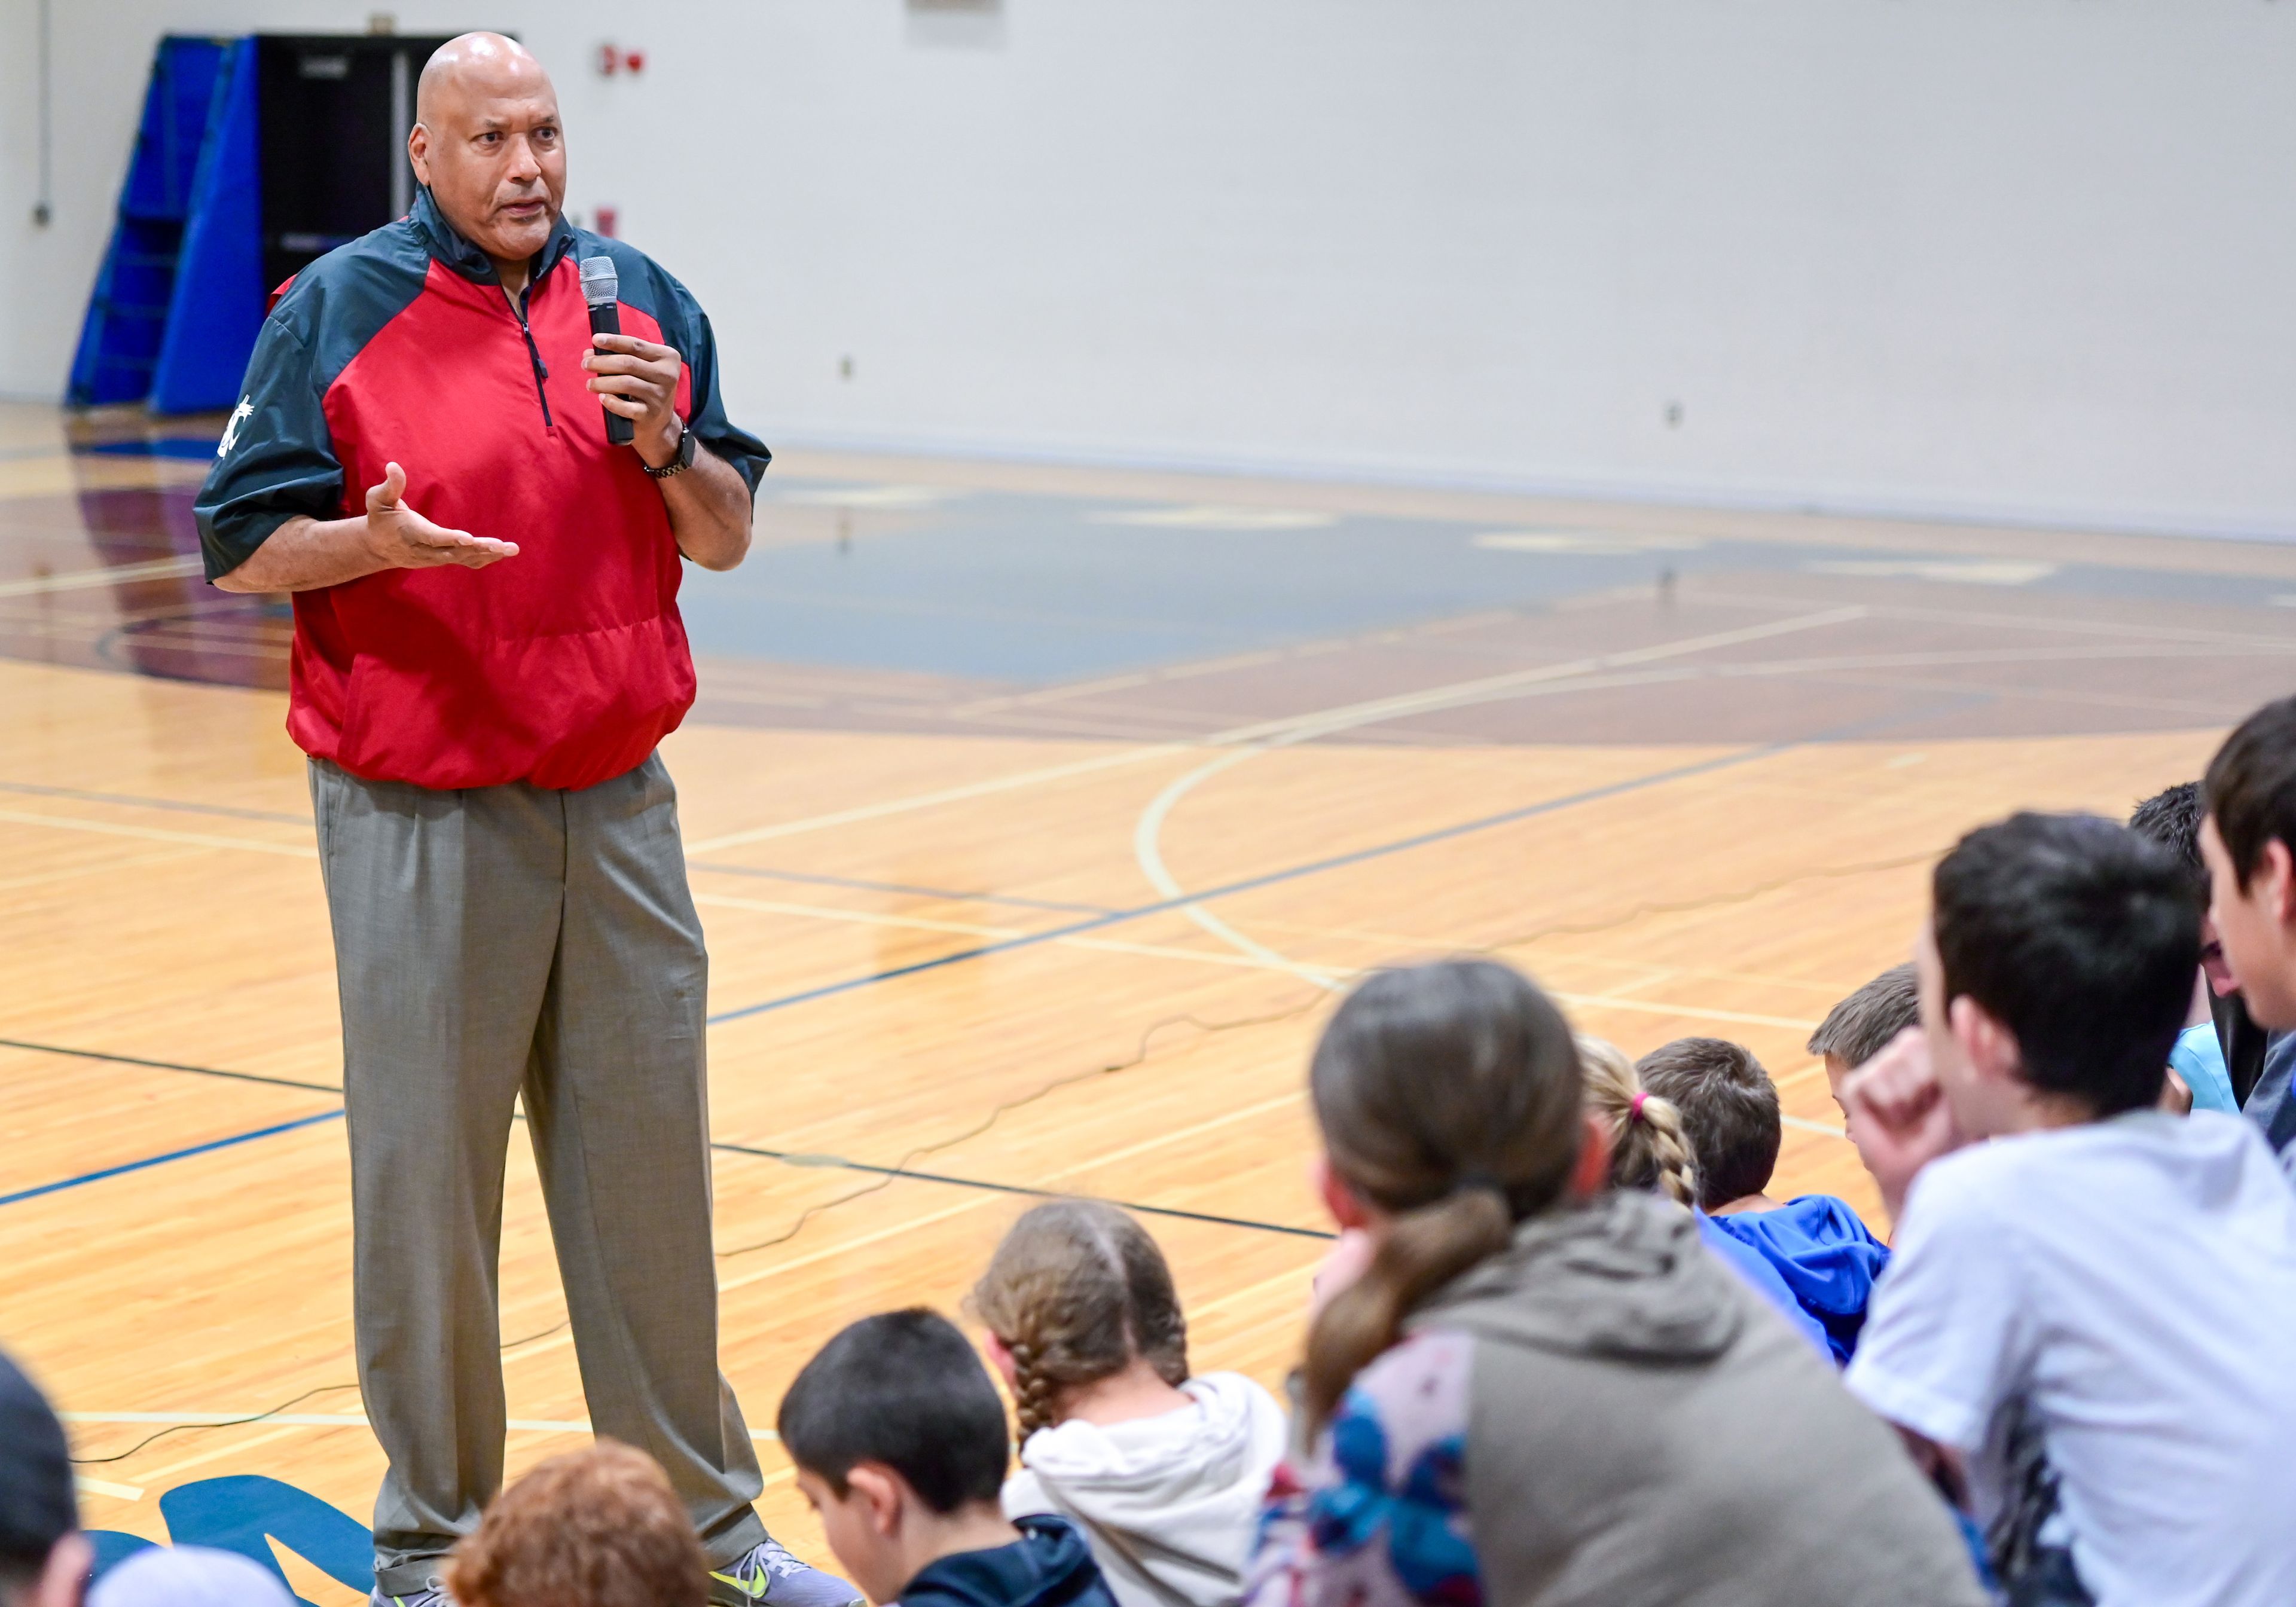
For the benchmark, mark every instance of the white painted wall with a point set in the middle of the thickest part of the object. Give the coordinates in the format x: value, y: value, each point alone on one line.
x: 2028, y: 258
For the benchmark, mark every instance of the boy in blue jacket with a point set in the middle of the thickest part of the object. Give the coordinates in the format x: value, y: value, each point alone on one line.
x: 1729, y: 1110
x: 900, y: 1445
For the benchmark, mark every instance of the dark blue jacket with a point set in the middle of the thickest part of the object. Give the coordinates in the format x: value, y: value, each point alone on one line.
x: 1048, y: 1566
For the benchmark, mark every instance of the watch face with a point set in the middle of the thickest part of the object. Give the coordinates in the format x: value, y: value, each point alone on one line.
x: 686, y: 447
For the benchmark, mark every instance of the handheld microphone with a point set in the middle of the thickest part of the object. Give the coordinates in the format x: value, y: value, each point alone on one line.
x: 602, y: 289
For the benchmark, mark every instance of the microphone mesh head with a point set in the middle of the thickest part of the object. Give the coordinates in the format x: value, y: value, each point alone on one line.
x: 601, y: 286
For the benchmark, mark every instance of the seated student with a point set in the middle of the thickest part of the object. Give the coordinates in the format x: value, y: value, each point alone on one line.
x: 1536, y: 1388
x: 1817, y: 1244
x: 2200, y: 1064
x: 2085, y: 1322
x: 1164, y: 1474
x: 189, y: 1576
x: 43, y: 1558
x: 1650, y: 1151
x: 900, y: 1445
x: 599, y: 1527
x: 1863, y: 1025
x: 2249, y: 841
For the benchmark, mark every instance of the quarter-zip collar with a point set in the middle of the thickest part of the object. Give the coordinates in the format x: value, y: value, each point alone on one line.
x: 447, y: 245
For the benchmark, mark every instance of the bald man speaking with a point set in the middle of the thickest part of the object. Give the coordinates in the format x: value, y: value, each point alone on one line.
x: 487, y: 652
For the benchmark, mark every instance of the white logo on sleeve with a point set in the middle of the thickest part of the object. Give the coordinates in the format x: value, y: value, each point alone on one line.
x: 238, y: 415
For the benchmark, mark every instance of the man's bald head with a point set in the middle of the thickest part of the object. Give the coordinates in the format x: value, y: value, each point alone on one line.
x: 486, y: 143
x: 481, y: 64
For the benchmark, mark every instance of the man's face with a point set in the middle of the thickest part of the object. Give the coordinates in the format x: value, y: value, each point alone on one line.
x: 2256, y: 925
x: 490, y: 149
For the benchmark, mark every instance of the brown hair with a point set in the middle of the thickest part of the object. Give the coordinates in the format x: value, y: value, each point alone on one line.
x: 1862, y: 1025
x: 1448, y: 1095
x: 1648, y: 1148
x: 1729, y: 1110
x: 595, y: 1528
x: 1076, y: 1291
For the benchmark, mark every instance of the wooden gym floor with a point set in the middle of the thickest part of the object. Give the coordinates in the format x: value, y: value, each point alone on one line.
x: 1034, y: 814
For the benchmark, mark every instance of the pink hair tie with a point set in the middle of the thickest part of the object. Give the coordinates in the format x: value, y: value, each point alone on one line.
x: 1634, y: 1109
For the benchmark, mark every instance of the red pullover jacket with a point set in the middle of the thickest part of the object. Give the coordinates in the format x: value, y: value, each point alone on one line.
x: 561, y: 667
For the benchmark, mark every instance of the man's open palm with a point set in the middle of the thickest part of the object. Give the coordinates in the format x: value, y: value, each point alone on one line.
x: 406, y: 540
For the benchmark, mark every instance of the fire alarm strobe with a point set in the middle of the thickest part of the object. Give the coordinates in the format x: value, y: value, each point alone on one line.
x: 613, y: 59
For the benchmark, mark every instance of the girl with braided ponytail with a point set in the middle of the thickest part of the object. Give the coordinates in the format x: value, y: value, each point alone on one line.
x: 1527, y: 1388
x: 1162, y: 1472
x: 1648, y: 1148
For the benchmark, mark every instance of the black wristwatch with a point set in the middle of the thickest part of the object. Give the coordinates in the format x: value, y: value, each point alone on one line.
x: 678, y: 464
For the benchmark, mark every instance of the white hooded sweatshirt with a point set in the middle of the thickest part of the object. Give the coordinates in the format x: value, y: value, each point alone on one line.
x: 1169, y: 1504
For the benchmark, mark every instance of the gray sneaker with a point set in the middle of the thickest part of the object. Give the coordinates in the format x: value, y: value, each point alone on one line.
x: 770, y: 1577
x: 433, y: 1593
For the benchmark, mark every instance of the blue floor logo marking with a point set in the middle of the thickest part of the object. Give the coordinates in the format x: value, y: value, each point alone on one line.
x: 246, y: 1512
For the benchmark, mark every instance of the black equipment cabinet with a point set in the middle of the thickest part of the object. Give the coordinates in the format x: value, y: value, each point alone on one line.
x: 335, y: 111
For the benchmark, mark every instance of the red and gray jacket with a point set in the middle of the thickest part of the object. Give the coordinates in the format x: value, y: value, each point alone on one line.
x: 561, y: 667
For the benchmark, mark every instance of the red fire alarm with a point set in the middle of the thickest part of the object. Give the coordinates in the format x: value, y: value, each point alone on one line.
x: 613, y: 59
x: 606, y: 220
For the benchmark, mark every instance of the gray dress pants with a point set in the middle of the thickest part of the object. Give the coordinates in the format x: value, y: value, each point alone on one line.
x: 508, y: 941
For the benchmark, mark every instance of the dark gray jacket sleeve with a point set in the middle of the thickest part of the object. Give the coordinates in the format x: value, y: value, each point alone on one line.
x: 276, y: 460
x: 710, y: 426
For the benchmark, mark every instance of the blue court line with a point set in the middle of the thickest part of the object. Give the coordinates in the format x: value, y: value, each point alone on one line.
x: 1272, y: 878
x: 948, y: 894
x: 150, y: 1160
x: 1745, y: 756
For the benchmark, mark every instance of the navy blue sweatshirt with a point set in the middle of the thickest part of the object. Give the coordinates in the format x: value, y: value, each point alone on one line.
x: 1048, y: 1566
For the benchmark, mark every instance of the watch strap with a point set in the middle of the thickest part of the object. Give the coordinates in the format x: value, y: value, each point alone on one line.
x: 682, y: 461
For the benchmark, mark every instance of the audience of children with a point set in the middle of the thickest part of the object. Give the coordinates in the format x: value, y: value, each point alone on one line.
x: 1650, y: 1151
x: 2247, y: 839
x: 1537, y: 1368
x: 1542, y: 1389
x: 900, y: 1443
x: 2084, y: 1327
x: 1164, y: 1474
x: 1818, y: 1246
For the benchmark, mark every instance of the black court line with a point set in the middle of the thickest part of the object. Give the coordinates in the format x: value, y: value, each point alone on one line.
x: 169, y: 1065
x: 787, y: 1157
x: 135, y: 800
x: 860, y: 885
x: 794, y: 1158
